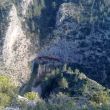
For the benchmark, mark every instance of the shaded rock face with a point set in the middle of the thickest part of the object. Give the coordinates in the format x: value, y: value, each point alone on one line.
x: 83, y: 38
x: 3, y: 23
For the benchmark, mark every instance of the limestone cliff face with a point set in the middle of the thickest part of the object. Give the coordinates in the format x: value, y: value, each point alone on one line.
x: 76, y: 31
x: 19, y: 44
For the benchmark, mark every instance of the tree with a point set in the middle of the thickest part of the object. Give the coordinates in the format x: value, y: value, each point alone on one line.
x: 65, y: 67
x: 63, y: 83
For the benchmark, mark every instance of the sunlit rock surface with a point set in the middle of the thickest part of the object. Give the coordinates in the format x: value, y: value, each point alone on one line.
x: 19, y: 45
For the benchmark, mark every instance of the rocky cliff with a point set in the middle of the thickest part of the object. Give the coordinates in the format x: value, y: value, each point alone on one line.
x: 76, y: 31
x: 82, y: 37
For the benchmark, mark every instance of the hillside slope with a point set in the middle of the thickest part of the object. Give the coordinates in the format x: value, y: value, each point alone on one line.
x: 76, y: 31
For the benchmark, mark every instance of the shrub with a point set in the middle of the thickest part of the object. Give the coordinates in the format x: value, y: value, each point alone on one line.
x: 100, y: 97
x: 32, y: 96
x: 7, y: 86
x: 105, y: 107
x: 5, y: 100
x: 7, y: 90
x: 61, y: 101
x: 41, y: 106
x: 65, y: 67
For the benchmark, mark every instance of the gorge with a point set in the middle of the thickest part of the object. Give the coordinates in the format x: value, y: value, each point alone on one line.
x: 76, y: 31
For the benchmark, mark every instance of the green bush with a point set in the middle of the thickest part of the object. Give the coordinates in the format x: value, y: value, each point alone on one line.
x: 5, y: 100
x: 101, y: 97
x: 32, y: 96
x: 55, y: 102
x: 7, y: 86
x: 8, y: 90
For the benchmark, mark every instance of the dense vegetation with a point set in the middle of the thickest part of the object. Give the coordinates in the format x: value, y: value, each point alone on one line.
x: 8, y: 91
x: 64, y: 89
